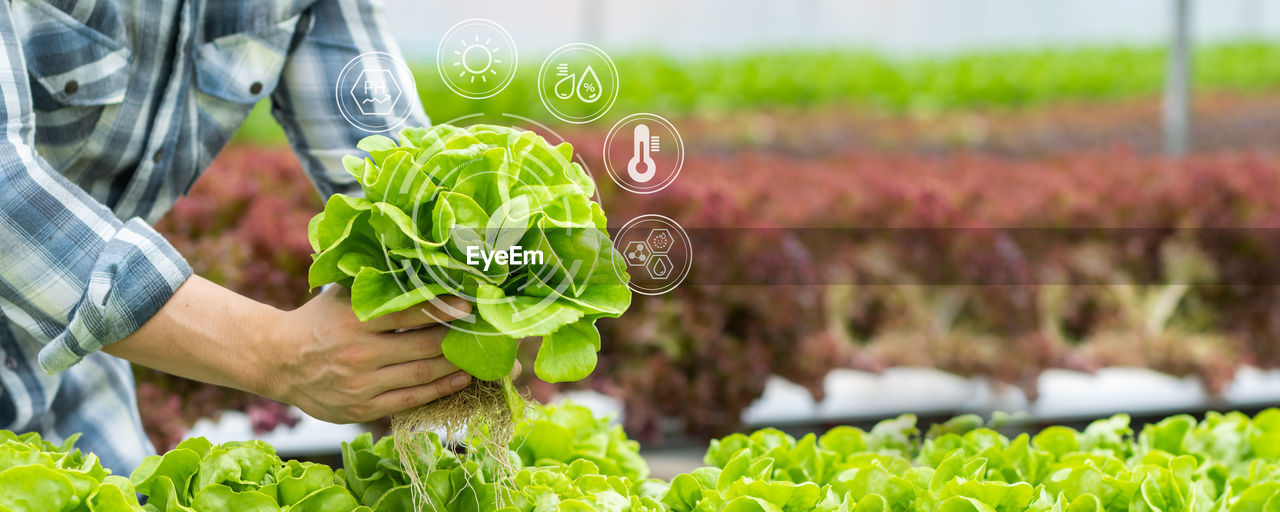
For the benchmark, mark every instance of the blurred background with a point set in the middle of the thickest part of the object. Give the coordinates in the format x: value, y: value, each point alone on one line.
x: 1056, y: 209
x: 907, y: 28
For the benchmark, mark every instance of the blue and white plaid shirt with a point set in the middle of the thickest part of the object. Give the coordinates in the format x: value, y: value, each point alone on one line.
x: 110, y: 110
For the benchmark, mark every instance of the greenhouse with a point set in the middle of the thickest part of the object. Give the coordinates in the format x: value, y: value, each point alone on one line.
x: 824, y: 256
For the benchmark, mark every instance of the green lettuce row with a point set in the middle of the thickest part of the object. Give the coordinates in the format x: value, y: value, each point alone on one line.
x: 38, y: 476
x: 568, y: 460
x: 1228, y: 462
x: 437, y: 196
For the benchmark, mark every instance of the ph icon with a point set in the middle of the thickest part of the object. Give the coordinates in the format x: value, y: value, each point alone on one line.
x: 369, y: 89
x: 375, y: 89
x: 375, y: 92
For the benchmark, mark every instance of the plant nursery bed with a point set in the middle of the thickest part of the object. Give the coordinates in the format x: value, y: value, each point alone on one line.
x: 863, y: 398
x: 566, y: 459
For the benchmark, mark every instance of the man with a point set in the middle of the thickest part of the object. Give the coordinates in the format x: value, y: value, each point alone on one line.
x: 110, y: 110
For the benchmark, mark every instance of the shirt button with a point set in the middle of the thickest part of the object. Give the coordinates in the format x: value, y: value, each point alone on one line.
x: 71, y: 87
x: 11, y: 364
x: 159, y: 154
x: 255, y: 88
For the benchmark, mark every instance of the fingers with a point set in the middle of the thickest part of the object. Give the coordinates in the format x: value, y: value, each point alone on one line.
x: 434, y: 311
x: 413, y: 373
x: 397, y: 400
x: 401, y: 347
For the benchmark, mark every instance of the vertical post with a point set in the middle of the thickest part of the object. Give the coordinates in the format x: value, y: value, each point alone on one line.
x: 1251, y: 21
x: 1177, y: 82
x: 592, y: 19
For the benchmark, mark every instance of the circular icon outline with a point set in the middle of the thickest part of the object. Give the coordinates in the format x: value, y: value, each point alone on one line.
x: 449, y: 35
x: 613, y: 72
x: 402, y: 70
x: 673, y: 227
x: 615, y: 175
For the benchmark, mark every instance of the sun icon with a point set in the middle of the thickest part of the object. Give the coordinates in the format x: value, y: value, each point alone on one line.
x: 476, y: 59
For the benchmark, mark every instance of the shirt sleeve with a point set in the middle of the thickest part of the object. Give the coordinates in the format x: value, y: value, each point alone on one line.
x: 72, y: 275
x: 304, y: 101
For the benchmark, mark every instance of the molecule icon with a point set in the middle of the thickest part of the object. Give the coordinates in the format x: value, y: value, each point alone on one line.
x: 651, y: 253
x: 660, y: 246
x: 638, y: 253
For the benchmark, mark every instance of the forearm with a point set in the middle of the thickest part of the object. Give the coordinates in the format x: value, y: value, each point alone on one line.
x: 207, y: 333
x: 319, y: 357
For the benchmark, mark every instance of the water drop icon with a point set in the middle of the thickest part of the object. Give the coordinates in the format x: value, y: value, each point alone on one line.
x: 564, y: 87
x: 589, y: 86
x: 659, y: 268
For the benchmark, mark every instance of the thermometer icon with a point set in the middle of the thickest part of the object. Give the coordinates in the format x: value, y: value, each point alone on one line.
x: 641, y: 166
x: 650, y: 167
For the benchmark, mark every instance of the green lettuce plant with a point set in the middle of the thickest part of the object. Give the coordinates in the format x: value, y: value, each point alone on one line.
x: 566, y: 432
x: 435, y: 201
x: 38, y: 476
x: 197, y: 476
x: 580, y: 486
x: 565, y: 459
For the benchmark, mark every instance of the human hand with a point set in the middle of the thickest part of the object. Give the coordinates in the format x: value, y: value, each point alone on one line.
x: 334, y: 367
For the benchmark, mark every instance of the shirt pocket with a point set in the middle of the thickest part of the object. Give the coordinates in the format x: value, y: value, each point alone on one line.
x: 244, y: 67
x: 73, y: 64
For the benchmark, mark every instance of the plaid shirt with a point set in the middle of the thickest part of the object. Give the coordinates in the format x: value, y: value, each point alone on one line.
x: 110, y: 110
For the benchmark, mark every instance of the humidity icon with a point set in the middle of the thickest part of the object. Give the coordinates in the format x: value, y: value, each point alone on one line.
x: 578, y: 83
x: 586, y: 87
